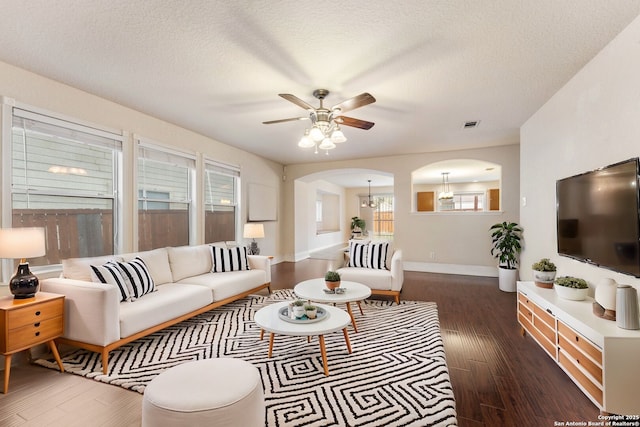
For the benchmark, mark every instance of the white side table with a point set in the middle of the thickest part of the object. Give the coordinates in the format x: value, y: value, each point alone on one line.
x: 354, y: 292
x: 268, y: 319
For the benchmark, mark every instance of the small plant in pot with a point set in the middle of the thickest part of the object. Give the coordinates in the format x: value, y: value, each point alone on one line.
x: 506, y: 245
x: 311, y: 311
x: 332, y: 280
x: 571, y: 288
x: 357, y: 226
x: 298, y: 308
x: 544, y: 272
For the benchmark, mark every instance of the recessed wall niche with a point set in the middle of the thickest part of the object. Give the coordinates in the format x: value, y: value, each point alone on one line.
x: 457, y: 185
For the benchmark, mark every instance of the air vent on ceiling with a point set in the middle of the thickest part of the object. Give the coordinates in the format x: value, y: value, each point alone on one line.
x: 471, y: 124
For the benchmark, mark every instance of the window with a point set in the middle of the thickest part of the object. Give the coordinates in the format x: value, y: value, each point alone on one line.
x: 165, y: 180
x: 383, y: 216
x: 63, y: 178
x: 468, y: 201
x: 221, y: 183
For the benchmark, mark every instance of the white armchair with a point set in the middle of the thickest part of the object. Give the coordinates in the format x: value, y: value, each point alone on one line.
x: 381, y: 282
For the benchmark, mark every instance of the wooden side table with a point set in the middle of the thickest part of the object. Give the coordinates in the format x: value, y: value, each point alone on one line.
x: 25, y: 323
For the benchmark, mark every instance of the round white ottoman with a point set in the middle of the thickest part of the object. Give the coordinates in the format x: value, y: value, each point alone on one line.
x: 210, y: 392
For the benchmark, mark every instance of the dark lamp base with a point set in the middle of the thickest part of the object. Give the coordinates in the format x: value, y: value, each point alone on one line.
x: 254, y: 249
x: 24, y: 284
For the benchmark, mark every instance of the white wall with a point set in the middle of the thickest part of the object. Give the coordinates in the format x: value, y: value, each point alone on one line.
x: 459, y: 241
x: 36, y: 91
x: 593, y: 121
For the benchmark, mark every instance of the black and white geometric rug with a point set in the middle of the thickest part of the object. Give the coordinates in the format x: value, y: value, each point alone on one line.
x: 396, y: 375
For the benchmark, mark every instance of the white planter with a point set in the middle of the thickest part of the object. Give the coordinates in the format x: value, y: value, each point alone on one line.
x: 572, y: 294
x: 544, y: 276
x: 507, y: 279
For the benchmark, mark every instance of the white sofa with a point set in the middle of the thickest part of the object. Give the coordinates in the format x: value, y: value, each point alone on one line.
x: 381, y: 281
x: 97, y: 320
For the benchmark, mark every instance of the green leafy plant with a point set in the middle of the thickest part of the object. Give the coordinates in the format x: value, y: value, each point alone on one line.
x: 571, y: 282
x: 506, y: 238
x: 298, y: 303
x: 332, y: 276
x: 544, y: 264
x: 310, y: 307
x: 357, y: 222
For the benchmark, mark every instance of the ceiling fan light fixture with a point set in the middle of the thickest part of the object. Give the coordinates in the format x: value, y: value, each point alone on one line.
x: 306, y: 141
x: 337, y: 136
x: 327, y: 144
x: 316, y: 134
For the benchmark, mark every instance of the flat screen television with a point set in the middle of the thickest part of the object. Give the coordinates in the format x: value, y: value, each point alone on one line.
x: 598, y: 216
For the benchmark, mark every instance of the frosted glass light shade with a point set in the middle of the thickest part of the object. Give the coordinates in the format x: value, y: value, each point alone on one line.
x: 316, y: 134
x: 306, y: 141
x: 327, y: 144
x: 337, y: 136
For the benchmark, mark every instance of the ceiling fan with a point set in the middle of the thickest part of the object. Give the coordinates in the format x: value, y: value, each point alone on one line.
x: 325, y: 122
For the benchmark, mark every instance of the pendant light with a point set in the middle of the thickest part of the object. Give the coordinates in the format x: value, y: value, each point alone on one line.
x: 368, y: 203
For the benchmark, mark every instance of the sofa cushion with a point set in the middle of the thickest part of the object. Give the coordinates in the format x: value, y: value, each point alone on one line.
x: 377, y: 255
x: 170, y: 301
x: 232, y: 259
x: 188, y: 261
x: 375, y: 279
x: 138, y: 276
x: 229, y: 284
x: 80, y: 268
x: 110, y: 273
x: 358, y: 254
x: 157, y: 262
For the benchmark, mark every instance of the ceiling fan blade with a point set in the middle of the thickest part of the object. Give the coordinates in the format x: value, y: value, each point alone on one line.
x: 356, y: 123
x: 293, y: 119
x: 299, y: 102
x: 355, y: 102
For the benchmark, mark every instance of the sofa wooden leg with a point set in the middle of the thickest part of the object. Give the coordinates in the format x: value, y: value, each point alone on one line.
x: 105, y: 361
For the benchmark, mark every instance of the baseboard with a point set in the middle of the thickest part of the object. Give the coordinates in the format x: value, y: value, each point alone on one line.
x: 468, y: 270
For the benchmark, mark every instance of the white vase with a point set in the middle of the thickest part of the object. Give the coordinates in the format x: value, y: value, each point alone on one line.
x: 544, y: 279
x: 573, y: 294
x: 507, y: 279
x: 298, y: 311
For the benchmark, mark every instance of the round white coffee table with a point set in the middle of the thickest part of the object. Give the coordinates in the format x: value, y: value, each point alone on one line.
x: 354, y: 292
x: 268, y: 319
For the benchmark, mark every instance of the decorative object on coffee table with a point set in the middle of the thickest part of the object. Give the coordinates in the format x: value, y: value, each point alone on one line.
x: 311, y: 311
x: 544, y: 272
x: 332, y: 280
x: 571, y: 288
x: 22, y: 243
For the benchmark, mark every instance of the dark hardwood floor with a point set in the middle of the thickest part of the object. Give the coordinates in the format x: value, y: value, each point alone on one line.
x: 499, y: 377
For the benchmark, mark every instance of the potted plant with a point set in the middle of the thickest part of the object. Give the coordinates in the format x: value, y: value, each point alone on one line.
x: 544, y: 271
x: 298, y: 308
x: 357, y: 226
x: 506, y: 245
x: 571, y: 288
x: 332, y: 280
x: 311, y: 311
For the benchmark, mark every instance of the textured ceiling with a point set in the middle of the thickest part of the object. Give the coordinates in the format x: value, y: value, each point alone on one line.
x: 216, y: 67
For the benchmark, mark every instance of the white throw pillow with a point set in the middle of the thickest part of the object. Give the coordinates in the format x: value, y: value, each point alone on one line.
x: 232, y: 259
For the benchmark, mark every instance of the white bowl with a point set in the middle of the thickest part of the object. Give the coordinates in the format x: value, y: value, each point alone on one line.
x: 572, y: 294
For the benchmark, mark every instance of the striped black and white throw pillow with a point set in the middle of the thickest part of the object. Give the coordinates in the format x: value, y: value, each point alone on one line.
x: 138, y: 276
x: 358, y: 254
x: 231, y: 259
x: 377, y: 255
x: 111, y: 274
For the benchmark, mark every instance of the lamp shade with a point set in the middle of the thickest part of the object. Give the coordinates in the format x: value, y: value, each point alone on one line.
x: 22, y: 242
x: 253, y: 231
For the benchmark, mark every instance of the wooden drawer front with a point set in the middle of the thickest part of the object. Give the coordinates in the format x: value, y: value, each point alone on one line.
x: 547, y: 318
x: 581, y: 342
x: 524, y: 300
x: 526, y: 312
x: 36, y: 333
x: 545, y: 329
x: 592, y: 389
x: 549, y: 346
x: 34, y: 313
x: 580, y: 359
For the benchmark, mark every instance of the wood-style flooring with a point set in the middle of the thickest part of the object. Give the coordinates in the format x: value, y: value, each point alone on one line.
x: 499, y: 377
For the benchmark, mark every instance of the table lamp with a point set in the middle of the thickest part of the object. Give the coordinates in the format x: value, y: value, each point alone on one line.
x: 253, y: 231
x: 22, y: 243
